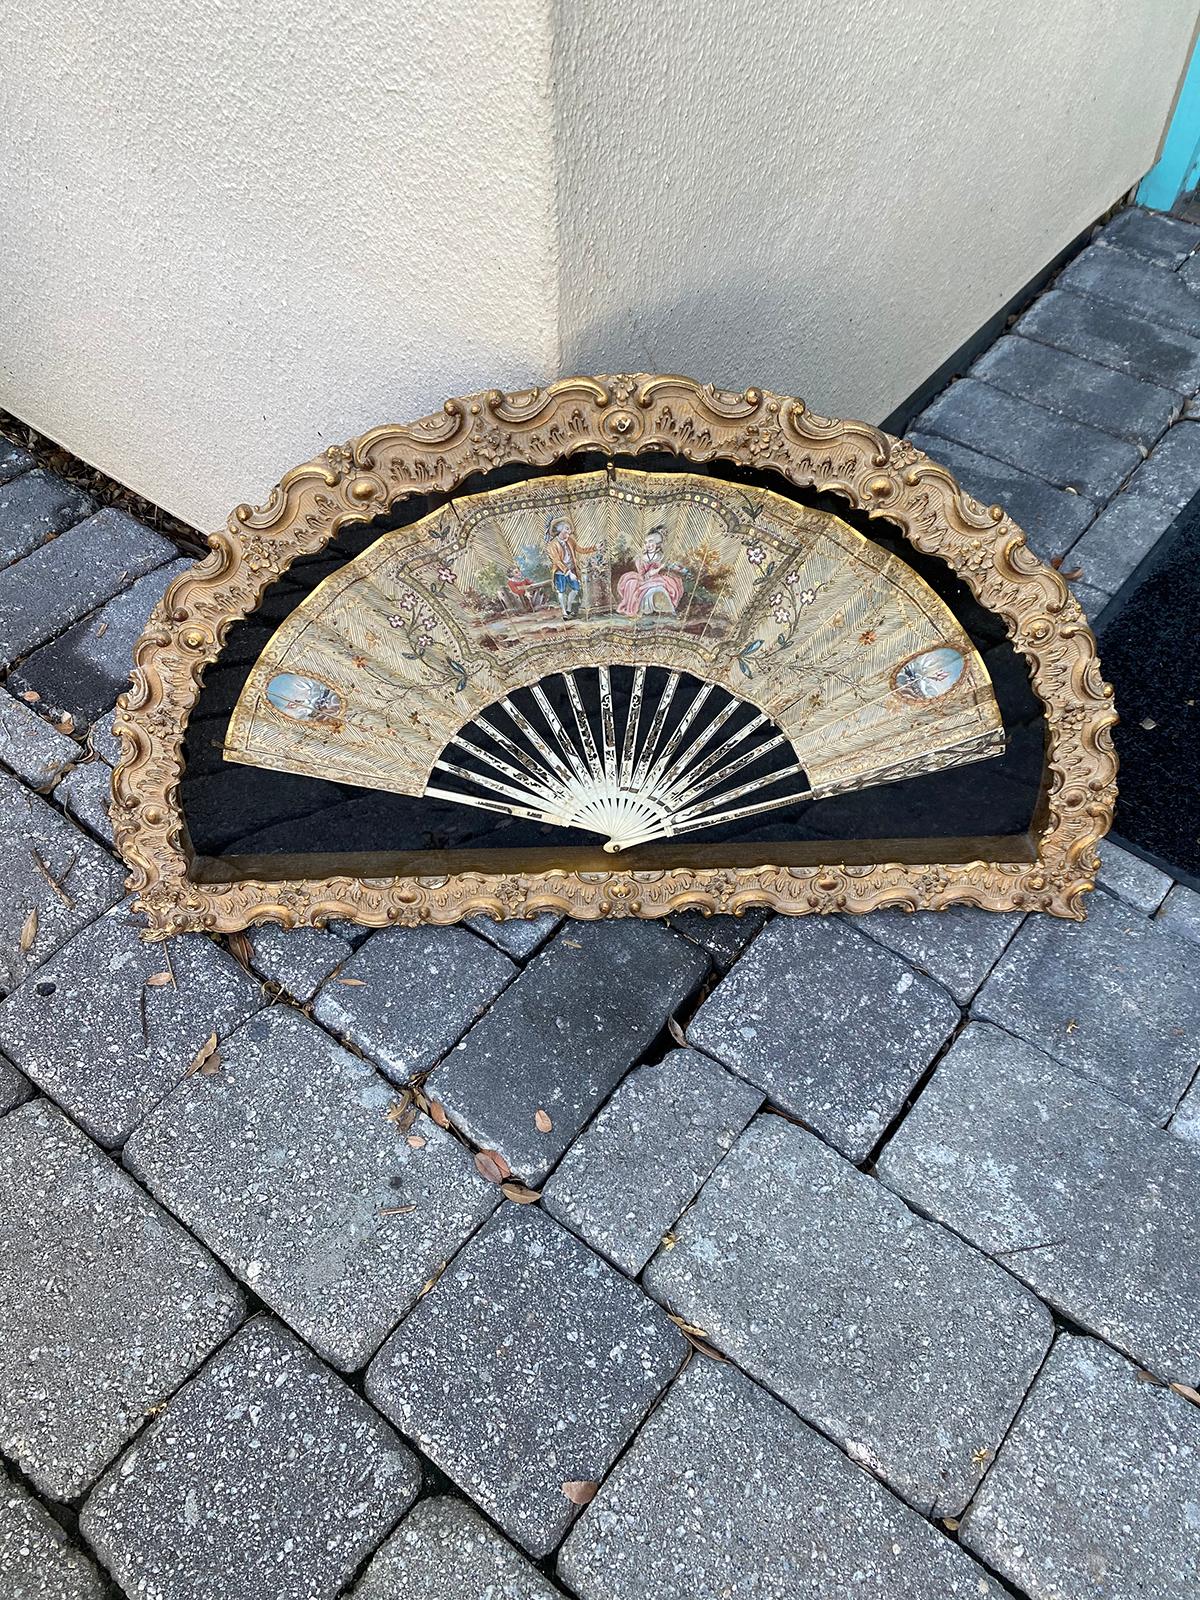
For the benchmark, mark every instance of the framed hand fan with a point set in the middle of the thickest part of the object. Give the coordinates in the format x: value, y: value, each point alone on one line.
x: 619, y: 646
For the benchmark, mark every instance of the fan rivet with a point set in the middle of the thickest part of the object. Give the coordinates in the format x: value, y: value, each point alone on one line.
x: 361, y: 489
x: 195, y: 639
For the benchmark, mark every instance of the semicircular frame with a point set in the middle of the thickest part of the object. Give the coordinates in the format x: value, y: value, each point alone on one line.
x: 1050, y: 869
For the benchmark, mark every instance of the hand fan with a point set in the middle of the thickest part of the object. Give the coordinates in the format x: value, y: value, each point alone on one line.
x: 639, y: 654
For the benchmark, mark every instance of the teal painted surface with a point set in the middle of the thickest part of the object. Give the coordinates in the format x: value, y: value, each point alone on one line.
x: 1178, y: 168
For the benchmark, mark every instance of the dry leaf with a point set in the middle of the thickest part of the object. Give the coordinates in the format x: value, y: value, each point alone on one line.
x: 66, y: 724
x: 687, y: 1327
x: 101, y: 631
x: 352, y: 983
x: 437, y: 1112
x: 32, y: 696
x: 156, y: 980
x: 429, y: 1282
x: 239, y: 949
x: 675, y: 1031
x: 415, y: 1142
x: 1188, y: 1393
x: 580, y: 1491
x: 396, y: 1111
x: 396, y: 1211
x: 572, y: 944
x: 520, y: 1194
x: 29, y: 931
x: 490, y: 1164
x: 541, y: 1121
x: 205, y: 1053
x: 950, y: 1523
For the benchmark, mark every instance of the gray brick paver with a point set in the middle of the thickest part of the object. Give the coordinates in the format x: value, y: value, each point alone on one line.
x: 1152, y: 235
x: 518, y: 937
x: 958, y: 947
x: 298, y: 959
x: 444, y: 1550
x: 84, y: 671
x: 108, y: 1305
x: 1068, y: 454
x: 34, y: 506
x: 904, y: 1345
x: 1115, y: 337
x: 13, y: 460
x: 409, y: 993
x: 1180, y: 913
x: 266, y: 1479
x: 645, y: 1155
x: 30, y: 746
x: 831, y: 1026
x: 1095, y: 1490
x: 1171, y: 472
x: 1143, y: 288
x: 65, y: 578
x: 1078, y: 1195
x: 1131, y: 879
x: 725, y: 1492
x: 37, y: 1560
x: 1117, y: 998
x: 1084, y: 391
x: 528, y: 1365
x: 35, y: 918
x: 562, y: 1036
x: 1125, y: 532
x: 15, y: 1087
x: 75, y: 1025
x: 285, y: 1165
x: 86, y: 792
x: 1185, y: 1124
x: 724, y: 938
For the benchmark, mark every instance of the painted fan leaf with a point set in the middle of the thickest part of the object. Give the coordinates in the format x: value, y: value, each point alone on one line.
x: 637, y: 653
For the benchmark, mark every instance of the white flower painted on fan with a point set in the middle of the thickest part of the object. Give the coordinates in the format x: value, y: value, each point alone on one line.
x: 445, y: 574
x: 806, y: 597
x: 776, y: 599
x: 755, y: 555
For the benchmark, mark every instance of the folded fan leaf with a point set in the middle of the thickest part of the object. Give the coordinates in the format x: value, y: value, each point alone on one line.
x: 638, y: 654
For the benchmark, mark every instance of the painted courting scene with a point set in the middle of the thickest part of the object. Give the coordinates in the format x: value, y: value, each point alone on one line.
x: 599, y: 969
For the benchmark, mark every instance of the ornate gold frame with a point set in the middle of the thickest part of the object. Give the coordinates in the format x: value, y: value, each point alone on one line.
x: 1049, y: 869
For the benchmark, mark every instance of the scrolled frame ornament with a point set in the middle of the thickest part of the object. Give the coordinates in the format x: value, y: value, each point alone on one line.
x: 179, y: 891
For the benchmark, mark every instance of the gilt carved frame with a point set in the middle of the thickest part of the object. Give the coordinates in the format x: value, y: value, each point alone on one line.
x: 886, y: 477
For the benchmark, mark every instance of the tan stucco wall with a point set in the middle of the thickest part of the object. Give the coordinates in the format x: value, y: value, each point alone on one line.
x: 239, y: 231
x: 235, y: 233
x: 830, y: 196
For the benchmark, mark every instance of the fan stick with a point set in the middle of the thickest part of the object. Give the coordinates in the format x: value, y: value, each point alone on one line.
x: 555, y: 795
x: 584, y: 726
x: 656, y: 727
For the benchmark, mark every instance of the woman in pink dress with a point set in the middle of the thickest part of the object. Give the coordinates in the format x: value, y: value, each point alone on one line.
x: 654, y: 585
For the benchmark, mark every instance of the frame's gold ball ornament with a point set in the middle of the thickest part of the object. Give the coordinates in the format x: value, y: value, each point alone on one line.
x: 643, y: 654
